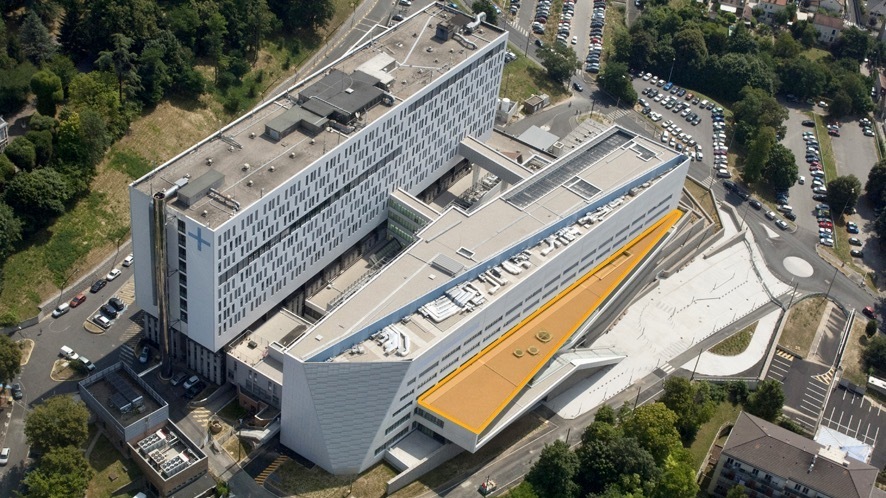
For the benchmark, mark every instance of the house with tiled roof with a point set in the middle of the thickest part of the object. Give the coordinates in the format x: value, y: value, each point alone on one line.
x: 770, y: 9
x: 769, y: 460
x: 828, y: 28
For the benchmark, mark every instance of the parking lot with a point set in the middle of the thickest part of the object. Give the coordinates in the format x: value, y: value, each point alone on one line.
x: 856, y: 416
x: 805, y: 386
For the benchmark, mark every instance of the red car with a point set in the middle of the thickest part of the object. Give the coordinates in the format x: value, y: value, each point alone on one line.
x: 869, y: 311
x: 689, y: 96
x: 826, y: 224
x: 834, y: 133
x: 77, y: 300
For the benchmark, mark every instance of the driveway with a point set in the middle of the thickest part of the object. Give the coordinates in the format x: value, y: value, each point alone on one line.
x: 805, y: 386
x: 801, y: 195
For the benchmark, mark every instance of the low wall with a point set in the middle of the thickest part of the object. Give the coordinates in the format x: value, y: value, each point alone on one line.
x: 406, y: 477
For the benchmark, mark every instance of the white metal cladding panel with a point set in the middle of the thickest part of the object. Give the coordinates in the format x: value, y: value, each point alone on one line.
x: 346, y: 407
x: 427, y: 141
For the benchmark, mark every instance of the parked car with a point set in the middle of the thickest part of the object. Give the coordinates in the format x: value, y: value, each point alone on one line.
x: 117, y: 303
x: 869, y: 311
x: 98, y: 285
x: 109, y: 311
x: 809, y: 123
x: 145, y: 355
x: 17, y: 392
x: 851, y: 227
x: 770, y: 215
x: 88, y: 364
x: 854, y: 241
x: 4, y: 456
x: 856, y: 253
x: 756, y: 204
x: 102, y: 321
x: 178, y: 377
x: 192, y: 380
x: 61, y: 310
x: 77, y: 300
x: 781, y: 224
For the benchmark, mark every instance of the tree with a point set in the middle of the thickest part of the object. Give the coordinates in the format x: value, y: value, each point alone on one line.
x: 82, y: 139
x: 870, y: 328
x: 7, y: 169
x: 22, y: 153
x: 767, y: 400
x: 487, y: 7
x: 97, y: 92
x: 48, y: 89
x: 876, y: 184
x: 559, y: 60
x: 757, y: 108
x: 36, y: 42
x: 37, y: 196
x: 843, y: 193
x: 57, y: 422
x: 880, y: 225
x: 62, y: 471
x: 741, y: 41
x: 692, y: 405
x: 841, y: 104
x: 551, y: 476
x: 689, y: 42
x: 803, y: 77
x: 853, y: 43
x: 781, y: 168
x: 654, y: 427
x: 737, y: 491
x: 805, y: 33
x: 42, y: 140
x: 786, y: 47
x: 10, y: 233
x: 758, y: 154
x: 15, y: 84
x: 729, y: 74
x: 10, y: 359
x: 121, y: 61
x: 63, y: 67
x: 309, y: 15
x: 614, y: 79
x: 874, y: 354
x: 676, y: 481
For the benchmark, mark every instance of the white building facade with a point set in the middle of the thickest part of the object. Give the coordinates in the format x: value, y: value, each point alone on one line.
x: 226, y: 276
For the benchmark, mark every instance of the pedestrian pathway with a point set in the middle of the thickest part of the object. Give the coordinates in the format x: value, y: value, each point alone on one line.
x: 718, y: 365
x: 280, y: 460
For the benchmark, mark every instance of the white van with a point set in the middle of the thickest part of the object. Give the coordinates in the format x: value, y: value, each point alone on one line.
x: 723, y: 173
x: 784, y: 208
x: 68, y: 353
x: 61, y: 310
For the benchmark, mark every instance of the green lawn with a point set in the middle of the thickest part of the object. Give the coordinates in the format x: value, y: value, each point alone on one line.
x: 801, y: 325
x: 232, y: 412
x: 737, y: 343
x: 523, y: 77
x: 815, y: 53
x: 726, y: 412
x: 827, y: 149
x: 112, y: 472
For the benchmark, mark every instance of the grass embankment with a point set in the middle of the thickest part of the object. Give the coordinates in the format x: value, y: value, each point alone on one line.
x: 737, y: 343
x: 524, y: 77
x: 615, y: 21
x: 802, y: 324
x: 704, y: 198
x: 112, y: 472
x: 852, y: 364
x: 296, y: 479
x: 725, y: 413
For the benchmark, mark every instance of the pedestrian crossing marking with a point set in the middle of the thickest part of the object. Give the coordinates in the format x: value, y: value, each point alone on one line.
x: 784, y: 354
x: 826, y: 377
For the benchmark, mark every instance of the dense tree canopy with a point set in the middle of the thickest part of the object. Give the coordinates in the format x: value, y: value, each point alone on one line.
x: 552, y: 475
x: 691, y: 402
x: 61, y: 472
x: 38, y: 196
x: 781, y: 169
x: 559, y: 60
x: 766, y: 402
x: 57, y: 422
x: 614, y: 79
x: 10, y: 357
x: 876, y: 184
x: 843, y: 193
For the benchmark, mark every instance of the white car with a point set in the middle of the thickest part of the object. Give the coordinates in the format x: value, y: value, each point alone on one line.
x: 127, y: 261
x: 113, y: 274
x: 699, y: 156
x: 647, y: 76
x: 4, y: 456
x: 801, y: 180
x: 574, y: 40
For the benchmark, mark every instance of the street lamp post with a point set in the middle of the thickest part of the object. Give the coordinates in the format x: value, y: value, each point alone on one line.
x: 672, y: 68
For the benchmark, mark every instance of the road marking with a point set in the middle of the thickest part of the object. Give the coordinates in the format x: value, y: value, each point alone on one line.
x: 826, y: 377
x: 667, y: 368
x: 784, y: 354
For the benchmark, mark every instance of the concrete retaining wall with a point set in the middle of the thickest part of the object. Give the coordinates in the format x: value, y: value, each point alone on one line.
x: 436, y: 458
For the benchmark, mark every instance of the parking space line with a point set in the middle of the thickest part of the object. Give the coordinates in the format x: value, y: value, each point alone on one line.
x: 817, y: 388
x: 813, y: 394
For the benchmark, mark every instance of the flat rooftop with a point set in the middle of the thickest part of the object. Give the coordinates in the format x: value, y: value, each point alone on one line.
x: 168, y: 451
x: 123, y: 398
x: 479, y: 390
x: 463, y: 241
x: 282, y: 328
x: 419, y: 59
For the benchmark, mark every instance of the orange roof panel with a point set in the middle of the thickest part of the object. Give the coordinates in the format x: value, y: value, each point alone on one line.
x: 475, y: 393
